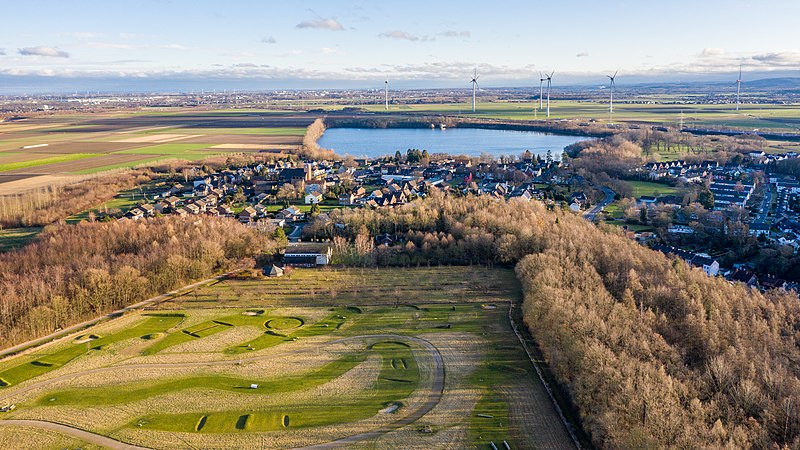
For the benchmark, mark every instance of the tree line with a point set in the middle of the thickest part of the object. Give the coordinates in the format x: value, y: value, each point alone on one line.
x: 75, y: 272
x: 653, y: 353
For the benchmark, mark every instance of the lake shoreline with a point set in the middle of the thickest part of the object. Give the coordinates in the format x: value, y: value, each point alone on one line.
x: 358, y: 121
x: 379, y: 142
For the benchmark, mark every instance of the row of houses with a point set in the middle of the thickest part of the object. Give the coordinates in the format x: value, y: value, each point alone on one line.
x: 709, y: 265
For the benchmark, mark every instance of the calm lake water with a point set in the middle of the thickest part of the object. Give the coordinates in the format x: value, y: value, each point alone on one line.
x: 376, y: 142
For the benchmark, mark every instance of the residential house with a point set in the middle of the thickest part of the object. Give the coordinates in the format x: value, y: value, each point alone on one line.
x: 312, y: 198
x: 247, y: 215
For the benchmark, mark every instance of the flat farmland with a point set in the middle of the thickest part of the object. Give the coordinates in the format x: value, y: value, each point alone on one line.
x: 749, y: 117
x: 279, y: 363
x: 73, y: 145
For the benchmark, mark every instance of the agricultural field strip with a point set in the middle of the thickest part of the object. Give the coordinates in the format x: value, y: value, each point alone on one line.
x: 436, y: 389
x: 4, y: 167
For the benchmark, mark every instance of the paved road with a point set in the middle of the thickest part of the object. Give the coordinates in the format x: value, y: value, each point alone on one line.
x: 436, y: 390
x: 117, y: 313
x: 83, y: 435
x: 763, y: 210
x: 591, y: 215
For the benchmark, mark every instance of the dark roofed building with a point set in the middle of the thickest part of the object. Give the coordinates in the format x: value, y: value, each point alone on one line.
x: 304, y: 254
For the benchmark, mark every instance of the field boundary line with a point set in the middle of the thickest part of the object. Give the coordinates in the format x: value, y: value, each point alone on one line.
x: 546, y: 385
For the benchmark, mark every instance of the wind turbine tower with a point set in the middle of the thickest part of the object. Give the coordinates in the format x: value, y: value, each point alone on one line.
x: 541, y: 97
x: 549, y: 82
x: 474, y: 88
x: 738, y: 86
x: 611, y: 99
x: 386, y: 93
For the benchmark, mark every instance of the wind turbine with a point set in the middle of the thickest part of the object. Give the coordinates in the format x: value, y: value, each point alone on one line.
x: 386, y: 92
x: 541, y: 98
x: 611, y: 100
x: 549, y: 82
x: 738, y: 86
x: 474, y: 82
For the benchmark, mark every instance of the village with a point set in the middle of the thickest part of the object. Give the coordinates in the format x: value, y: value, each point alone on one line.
x: 706, y: 201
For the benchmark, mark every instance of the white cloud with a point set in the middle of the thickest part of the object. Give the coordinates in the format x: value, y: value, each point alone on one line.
x: 779, y: 59
x: 329, y: 50
x: 582, y: 55
x: 51, y: 52
x: 268, y: 40
x: 321, y: 24
x: 405, y: 36
x: 2, y: 51
x: 453, y: 33
x: 711, y: 52
x: 119, y: 46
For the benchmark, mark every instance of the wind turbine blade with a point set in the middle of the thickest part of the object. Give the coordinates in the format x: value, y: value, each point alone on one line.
x: 615, y: 73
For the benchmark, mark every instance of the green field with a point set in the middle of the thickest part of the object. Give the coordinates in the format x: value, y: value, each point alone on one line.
x: 749, y: 117
x: 4, y: 167
x: 641, y: 188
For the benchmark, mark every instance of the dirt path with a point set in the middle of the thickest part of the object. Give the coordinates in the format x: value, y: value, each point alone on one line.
x: 435, y: 392
x: 83, y: 435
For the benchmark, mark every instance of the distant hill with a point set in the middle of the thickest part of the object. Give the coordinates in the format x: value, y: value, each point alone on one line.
x: 775, y: 83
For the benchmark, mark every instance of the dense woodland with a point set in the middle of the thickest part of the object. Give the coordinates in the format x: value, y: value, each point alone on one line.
x: 652, y: 352
x: 73, y: 273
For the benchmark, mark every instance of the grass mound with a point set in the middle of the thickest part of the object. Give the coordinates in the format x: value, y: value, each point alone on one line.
x: 285, y: 323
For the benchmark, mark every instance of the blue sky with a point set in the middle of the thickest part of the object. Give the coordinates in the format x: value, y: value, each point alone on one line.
x: 330, y: 44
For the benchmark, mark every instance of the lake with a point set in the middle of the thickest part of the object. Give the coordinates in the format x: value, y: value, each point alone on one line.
x: 377, y: 142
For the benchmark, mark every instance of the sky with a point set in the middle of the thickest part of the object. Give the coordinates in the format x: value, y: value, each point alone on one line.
x: 47, y: 46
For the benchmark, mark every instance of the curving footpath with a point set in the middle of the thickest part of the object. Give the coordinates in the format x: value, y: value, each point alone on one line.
x: 83, y: 435
x: 436, y: 390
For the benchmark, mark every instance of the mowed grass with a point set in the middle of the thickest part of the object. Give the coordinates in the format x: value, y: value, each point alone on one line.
x: 286, y: 329
x: 398, y: 378
x: 130, y: 392
x: 43, y: 362
x: 641, y: 188
x: 201, y: 330
x: 4, y: 167
x: 12, y: 238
